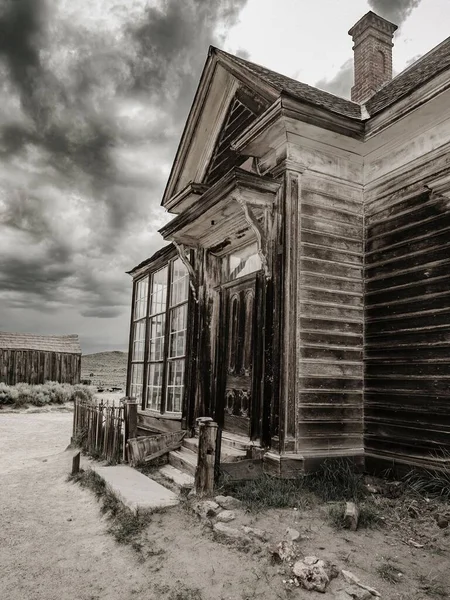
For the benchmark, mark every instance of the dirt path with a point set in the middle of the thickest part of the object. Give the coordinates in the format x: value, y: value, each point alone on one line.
x: 54, y: 543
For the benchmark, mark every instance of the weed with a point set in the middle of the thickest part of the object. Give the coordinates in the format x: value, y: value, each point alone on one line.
x: 388, y: 572
x: 434, y: 483
x: 432, y: 587
x: 125, y: 525
x: 334, y: 480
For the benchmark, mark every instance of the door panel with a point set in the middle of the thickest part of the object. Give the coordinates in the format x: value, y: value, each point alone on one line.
x: 240, y: 314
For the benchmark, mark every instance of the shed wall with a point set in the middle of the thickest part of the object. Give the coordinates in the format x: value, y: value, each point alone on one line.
x: 36, y: 366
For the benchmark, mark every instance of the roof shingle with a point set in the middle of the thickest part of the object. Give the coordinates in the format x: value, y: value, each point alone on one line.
x: 47, y: 343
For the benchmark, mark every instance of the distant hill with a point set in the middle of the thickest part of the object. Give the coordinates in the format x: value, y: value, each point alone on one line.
x: 105, y: 369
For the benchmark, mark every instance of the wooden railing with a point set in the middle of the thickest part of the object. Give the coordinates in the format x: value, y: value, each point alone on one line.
x: 100, y: 429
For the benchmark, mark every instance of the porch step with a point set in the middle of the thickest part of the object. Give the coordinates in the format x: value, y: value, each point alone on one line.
x: 235, y: 441
x: 183, y: 460
x: 180, y: 478
x: 229, y: 453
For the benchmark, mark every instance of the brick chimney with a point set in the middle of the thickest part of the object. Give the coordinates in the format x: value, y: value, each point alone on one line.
x: 372, y: 36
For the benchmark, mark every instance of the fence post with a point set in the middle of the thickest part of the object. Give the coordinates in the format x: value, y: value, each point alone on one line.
x: 204, y: 473
x: 130, y: 415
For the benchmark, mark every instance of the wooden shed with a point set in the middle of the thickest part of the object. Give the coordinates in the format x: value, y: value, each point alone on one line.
x: 31, y: 358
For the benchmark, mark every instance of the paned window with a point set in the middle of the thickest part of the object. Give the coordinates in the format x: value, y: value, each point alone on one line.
x: 157, y: 334
x: 138, y: 340
x: 159, y: 338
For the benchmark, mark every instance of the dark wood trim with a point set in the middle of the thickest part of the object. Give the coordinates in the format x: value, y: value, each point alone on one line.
x: 146, y: 345
x: 221, y: 356
x: 190, y: 379
x: 257, y: 396
x: 130, y: 341
x: 166, y: 340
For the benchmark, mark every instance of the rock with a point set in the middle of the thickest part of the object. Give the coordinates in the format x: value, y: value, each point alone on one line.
x: 292, y: 534
x: 254, y: 532
x: 393, y: 489
x: 351, y: 516
x: 284, y: 551
x: 230, y: 532
x: 228, y: 502
x: 441, y: 521
x: 207, y: 508
x: 353, y: 580
x: 353, y: 593
x: 314, y: 574
x: 226, y: 516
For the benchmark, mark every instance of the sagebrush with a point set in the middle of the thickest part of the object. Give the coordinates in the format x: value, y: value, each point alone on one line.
x: 50, y: 392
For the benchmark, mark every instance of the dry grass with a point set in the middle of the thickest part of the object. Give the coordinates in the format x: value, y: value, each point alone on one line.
x: 50, y: 392
x: 334, y: 481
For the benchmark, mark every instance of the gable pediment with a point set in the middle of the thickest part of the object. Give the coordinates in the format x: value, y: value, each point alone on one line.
x: 225, y: 104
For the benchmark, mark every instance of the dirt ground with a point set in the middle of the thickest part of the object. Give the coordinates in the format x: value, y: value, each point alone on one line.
x: 54, y: 542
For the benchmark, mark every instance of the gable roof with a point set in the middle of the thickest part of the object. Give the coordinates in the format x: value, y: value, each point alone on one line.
x: 47, y: 343
x: 425, y: 68
x: 297, y: 89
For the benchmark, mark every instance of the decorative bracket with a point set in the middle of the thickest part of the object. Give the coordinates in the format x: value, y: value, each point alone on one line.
x: 261, y: 237
x: 181, y: 249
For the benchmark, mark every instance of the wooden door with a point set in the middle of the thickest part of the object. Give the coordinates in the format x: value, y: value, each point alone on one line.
x: 239, y: 399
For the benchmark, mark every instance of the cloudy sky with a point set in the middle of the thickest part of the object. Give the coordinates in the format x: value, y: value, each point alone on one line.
x: 94, y: 95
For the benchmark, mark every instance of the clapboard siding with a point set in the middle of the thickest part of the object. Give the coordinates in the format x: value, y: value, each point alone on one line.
x: 330, y: 408
x: 35, y: 366
x: 407, y: 373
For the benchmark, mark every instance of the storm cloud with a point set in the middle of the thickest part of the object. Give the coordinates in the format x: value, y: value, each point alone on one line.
x: 93, y: 104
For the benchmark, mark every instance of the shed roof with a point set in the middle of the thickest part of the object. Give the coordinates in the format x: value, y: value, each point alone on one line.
x: 68, y: 344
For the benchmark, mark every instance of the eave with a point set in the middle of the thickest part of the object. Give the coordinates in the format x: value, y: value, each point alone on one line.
x: 224, y: 197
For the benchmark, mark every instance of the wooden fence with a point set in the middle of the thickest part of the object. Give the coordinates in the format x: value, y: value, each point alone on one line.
x: 99, y: 429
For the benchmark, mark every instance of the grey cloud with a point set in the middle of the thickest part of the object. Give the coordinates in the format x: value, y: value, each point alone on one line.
x: 396, y: 11
x: 88, y: 137
x: 341, y: 83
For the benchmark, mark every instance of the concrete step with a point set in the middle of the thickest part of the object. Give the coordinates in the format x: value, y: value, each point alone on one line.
x: 137, y: 491
x: 179, y: 478
x: 183, y: 460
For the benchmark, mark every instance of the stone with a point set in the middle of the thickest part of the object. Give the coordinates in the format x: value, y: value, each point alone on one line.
x: 226, y: 516
x: 254, y: 532
x: 353, y: 593
x: 292, y: 534
x: 311, y: 573
x: 284, y: 551
x: 353, y: 580
x: 228, y: 502
x: 351, y: 516
x: 230, y: 532
x: 441, y: 521
x: 207, y: 509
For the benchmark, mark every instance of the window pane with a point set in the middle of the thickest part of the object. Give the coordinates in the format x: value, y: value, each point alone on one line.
x: 154, y: 393
x: 140, y: 304
x: 175, y: 385
x: 158, y: 292
x: 138, y: 340
x: 243, y: 262
x: 157, y: 330
x: 137, y: 372
x: 178, y: 320
x: 179, y: 288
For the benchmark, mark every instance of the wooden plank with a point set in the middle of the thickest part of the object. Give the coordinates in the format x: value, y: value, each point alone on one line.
x: 242, y: 470
x: 146, y: 449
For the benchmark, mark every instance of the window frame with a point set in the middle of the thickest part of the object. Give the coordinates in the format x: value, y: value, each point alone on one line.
x: 141, y: 320
x: 166, y: 359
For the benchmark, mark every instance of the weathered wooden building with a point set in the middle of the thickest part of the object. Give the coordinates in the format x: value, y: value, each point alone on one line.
x: 304, y: 299
x: 30, y: 358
